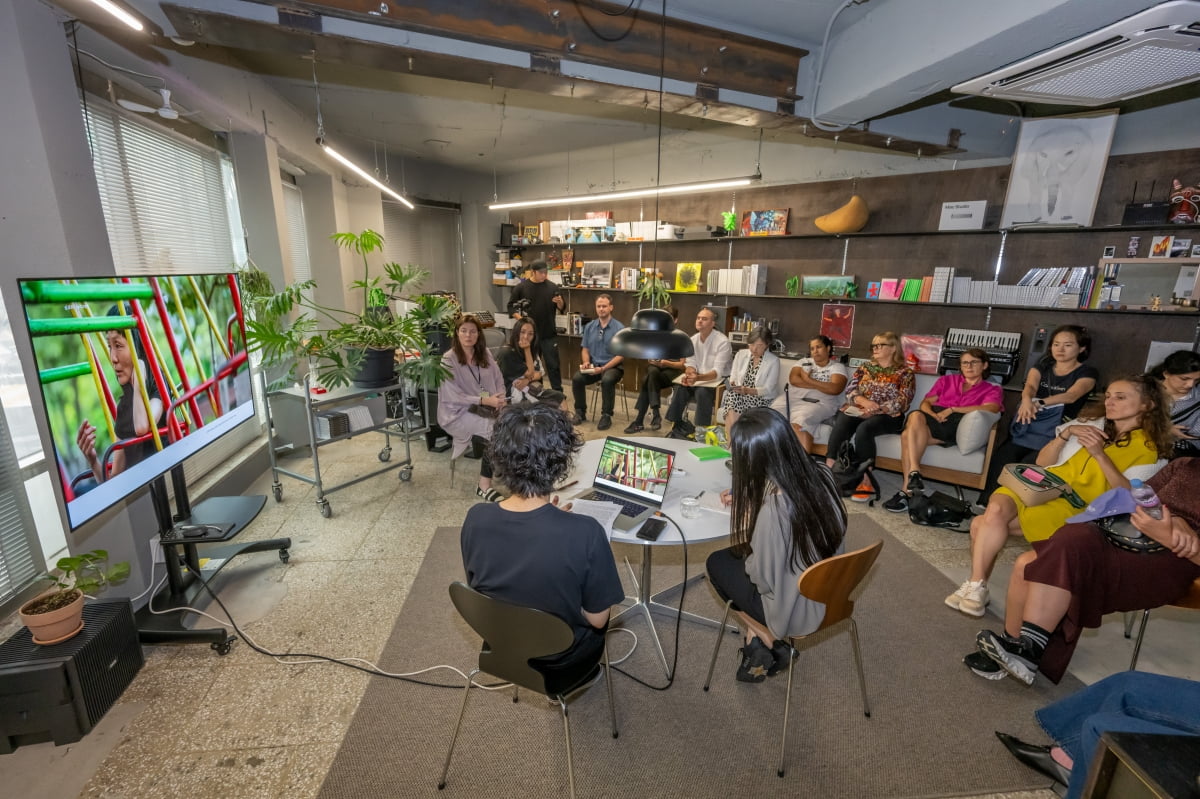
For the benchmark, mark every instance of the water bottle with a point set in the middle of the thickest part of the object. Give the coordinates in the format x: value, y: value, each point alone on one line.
x: 1145, y: 497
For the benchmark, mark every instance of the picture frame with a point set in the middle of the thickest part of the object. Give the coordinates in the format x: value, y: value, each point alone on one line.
x: 828, y: 286
x: 837, y: 322
x: 1110, y: 252
x: 1057, y: 169
x: 767, y: 222
x: 1195, y: 251
x: 597, y: 274
x: 687, y: 276
x: 1160, y: 246
x: 1180, y: 247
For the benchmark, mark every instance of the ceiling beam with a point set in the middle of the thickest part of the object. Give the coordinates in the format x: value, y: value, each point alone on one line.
x: 256, y: 46
x: 591, y: 32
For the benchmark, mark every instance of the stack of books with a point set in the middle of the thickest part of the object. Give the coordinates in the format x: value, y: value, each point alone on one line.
x: 331, y: 424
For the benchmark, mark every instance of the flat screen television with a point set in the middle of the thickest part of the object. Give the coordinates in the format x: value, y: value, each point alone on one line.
x: 113, y: 353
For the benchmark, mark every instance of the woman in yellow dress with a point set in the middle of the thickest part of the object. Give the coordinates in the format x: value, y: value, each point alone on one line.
x: 1136, y: 431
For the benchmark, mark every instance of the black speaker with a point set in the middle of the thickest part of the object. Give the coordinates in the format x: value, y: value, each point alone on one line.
x: 59, y: 692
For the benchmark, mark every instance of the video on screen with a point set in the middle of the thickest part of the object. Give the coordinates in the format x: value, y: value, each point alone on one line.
x: 641, y: 470
x: 136, y: 373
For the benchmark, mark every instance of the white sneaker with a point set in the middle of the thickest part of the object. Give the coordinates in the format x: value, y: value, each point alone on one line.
x: 974, y: 602
x: 971, y: 598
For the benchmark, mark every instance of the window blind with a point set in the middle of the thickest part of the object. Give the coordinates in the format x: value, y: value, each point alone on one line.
x: 20, y: 555
x: 170, y: 206
x: 428, y: 237
x: 297, y: 236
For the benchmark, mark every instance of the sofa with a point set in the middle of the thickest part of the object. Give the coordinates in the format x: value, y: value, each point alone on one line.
x: 963, y: 463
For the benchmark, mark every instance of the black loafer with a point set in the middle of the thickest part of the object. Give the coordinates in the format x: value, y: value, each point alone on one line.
x: 1037, y: 758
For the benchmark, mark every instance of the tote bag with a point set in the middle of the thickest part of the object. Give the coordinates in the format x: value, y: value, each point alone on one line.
x: 1037, y: 433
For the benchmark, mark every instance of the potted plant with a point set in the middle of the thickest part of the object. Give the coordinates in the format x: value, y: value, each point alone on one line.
x: 289, y: 326
x: 653, y: 292
x: 57, y: 615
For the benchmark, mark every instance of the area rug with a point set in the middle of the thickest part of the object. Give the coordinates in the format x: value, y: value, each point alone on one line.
x: 930, y: 732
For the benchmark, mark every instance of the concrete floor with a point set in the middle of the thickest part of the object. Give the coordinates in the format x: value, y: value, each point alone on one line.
x: 198, y: 725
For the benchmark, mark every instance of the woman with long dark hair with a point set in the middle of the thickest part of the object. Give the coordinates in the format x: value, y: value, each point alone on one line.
x: 520, y: 362
x: 785, y: 516
x: 470, y: 398
x: 1178, y: 374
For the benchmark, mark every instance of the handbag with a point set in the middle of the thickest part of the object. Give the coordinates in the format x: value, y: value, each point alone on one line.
x: 1036, y: 485
x: 1037, y: 433
x: 940, y: 510
x: 1121, y: 533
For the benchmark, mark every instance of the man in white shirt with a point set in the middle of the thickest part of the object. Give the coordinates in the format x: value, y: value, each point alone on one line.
x: 702, y: 373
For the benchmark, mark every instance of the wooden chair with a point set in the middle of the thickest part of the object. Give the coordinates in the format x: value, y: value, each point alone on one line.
x: 1190, y: 601
x: 512, y: 635
x: 830, y: 582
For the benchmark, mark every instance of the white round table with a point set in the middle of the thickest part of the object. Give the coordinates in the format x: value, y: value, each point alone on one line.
x: 689, y: 477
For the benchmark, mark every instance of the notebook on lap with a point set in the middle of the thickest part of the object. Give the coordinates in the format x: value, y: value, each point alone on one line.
x: 632, y: 475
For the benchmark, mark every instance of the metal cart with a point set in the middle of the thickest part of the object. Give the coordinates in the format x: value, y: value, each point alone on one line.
x: 295, y: 412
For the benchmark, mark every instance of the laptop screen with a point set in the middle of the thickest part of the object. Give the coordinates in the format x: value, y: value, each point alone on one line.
x: 634, y: 469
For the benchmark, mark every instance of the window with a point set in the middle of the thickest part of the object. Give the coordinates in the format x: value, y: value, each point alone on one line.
x: 19, y: 565
x: 297, y: 236
x: 429, y: 237
x: 170, y: 205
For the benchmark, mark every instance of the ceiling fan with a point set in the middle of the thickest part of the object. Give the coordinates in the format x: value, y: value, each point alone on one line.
x: 166, y: 110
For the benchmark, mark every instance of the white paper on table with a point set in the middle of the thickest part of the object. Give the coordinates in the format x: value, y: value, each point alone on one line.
x: 712, y: 501
x: 604, y: 512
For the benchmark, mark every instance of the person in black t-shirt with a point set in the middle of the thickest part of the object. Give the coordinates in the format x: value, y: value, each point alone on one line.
x: 528, y: 551
x: 539, y: 299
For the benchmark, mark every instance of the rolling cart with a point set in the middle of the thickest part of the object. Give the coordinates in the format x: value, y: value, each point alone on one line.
x: 292, y: 413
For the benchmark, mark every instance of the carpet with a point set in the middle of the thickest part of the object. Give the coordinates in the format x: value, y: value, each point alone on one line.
x: 930, y: 732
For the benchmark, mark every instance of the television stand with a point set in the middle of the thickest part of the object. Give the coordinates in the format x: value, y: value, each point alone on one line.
x: 221, y: 519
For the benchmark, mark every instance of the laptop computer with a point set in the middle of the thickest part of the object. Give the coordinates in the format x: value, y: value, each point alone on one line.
x: 633, y: 475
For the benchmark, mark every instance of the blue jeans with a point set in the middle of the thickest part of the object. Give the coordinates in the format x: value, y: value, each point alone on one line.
x: 1129, y: 701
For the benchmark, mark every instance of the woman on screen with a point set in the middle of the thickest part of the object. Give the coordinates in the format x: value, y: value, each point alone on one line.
x: 785, y: 516
x: 132, y: 419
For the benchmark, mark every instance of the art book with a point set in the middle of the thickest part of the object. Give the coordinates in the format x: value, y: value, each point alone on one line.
x: 873, y: 290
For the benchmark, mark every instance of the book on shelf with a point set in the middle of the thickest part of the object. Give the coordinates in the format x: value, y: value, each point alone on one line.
x: 889, y: 289
x: 872, y: 290
x: 754, y: 279
x: 960, y: 290
x: 926, y: 289
x: 687, y: 276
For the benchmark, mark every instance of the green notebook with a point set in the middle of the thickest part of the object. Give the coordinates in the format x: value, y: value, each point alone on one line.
x: 709, y: 453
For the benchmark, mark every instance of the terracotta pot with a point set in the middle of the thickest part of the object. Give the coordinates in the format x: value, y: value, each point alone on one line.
x: 57, y: 625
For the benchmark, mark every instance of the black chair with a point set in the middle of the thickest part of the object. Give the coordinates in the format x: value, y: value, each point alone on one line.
x: 513, y: 635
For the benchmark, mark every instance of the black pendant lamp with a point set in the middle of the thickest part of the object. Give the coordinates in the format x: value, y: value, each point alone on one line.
x: 651, y: 335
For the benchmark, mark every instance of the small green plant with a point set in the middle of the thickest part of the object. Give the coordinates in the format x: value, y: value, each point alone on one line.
x: 85, y: 572
x: 729, y: 218
x: 793, y: 285
x: 289, y: 326
x: 653, y: 292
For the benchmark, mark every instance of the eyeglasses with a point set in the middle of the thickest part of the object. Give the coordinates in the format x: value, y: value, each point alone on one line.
x: 876, y: 346
x: 970, y: 363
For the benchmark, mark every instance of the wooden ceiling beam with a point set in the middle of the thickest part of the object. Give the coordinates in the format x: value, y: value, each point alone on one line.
x: 592, y: 32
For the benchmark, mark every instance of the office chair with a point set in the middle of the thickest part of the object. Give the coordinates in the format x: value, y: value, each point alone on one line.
x: 1189, y: 601
x: 831, y: 582
x: 512, y: 635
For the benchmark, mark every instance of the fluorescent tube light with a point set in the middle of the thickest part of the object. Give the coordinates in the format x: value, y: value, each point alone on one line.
x: 356, y: 169
x: 679, y: 188
x: 120, y: 13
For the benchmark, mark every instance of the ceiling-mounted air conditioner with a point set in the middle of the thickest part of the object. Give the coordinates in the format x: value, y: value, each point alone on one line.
x: 1155, y: 49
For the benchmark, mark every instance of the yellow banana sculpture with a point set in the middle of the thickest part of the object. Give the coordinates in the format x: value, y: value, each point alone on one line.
x: 850, y: 218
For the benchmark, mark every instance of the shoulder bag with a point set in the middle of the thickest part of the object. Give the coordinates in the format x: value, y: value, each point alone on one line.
x: 1036, y: 485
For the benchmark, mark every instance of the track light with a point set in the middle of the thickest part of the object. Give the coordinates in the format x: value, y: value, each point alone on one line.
x: 678, y: 188
x: 362, y: 173
x: 119, y: 13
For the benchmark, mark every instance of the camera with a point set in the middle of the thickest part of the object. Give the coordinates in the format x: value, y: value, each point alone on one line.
x: 522, y: 306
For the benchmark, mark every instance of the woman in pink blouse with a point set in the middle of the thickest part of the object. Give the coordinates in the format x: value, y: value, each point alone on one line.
x: 936, y: 420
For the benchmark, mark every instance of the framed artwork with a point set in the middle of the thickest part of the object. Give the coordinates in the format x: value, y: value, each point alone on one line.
x: 828, y: 286
x: 687, y: 276
x: 769, y: 222
x: 1196, y: 250
x: 597, y: 274
x: 1057, y: 169
x: 1110, y: 252
x: 1160, y: 246
x: 837, y: 322
x: 1180, y: 247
